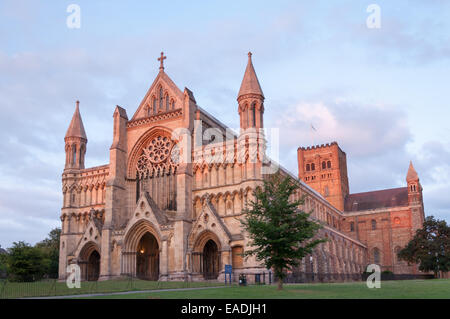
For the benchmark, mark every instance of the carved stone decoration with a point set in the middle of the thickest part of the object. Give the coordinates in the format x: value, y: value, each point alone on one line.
x: 160, y: 156
x: 159, y: 149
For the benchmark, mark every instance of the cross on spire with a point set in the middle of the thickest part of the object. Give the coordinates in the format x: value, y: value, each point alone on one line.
x: 161, y: 59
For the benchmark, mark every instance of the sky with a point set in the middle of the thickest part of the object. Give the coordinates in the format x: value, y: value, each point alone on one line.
x: 381, y: 93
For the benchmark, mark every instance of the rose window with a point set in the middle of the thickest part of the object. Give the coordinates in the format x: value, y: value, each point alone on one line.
x: 159, y: 149
x: 160, y: 156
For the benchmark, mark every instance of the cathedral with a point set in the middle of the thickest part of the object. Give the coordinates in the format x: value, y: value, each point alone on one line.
x: 167, y: 205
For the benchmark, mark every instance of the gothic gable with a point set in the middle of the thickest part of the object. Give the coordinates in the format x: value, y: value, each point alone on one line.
x: 209, y: 221
x: 163, y: 96
x: 147, y: 209
x: 92, y: 236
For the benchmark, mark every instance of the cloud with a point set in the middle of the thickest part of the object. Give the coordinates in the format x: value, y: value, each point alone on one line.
x: 40, y: 79
x: 374, y: 138
x: 364, y: 130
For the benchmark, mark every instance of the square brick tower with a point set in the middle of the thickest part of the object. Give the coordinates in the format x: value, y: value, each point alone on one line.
x: 324, y: 168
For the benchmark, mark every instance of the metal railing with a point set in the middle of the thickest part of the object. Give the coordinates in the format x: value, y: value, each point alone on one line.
x: 57, y: 287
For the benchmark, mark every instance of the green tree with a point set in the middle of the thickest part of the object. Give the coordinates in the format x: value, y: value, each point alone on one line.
x: 24, y: 262
x: 3, y: 267
x: 430, y: 247
x: 50, y: 251
x: 279, y: 231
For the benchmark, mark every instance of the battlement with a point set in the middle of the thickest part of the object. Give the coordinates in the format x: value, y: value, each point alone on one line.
x: 320, y: 147
x: 317, y: 146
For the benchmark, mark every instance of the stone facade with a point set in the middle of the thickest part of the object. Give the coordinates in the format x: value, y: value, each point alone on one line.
x: 384, y: 220
x: 167, y: 206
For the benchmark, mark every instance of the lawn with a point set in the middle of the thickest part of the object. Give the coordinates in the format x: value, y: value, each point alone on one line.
x: 417, y: 289
x: 55, y: 288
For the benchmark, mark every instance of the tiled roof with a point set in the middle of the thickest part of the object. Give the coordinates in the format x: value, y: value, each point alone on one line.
x: 377, y: 199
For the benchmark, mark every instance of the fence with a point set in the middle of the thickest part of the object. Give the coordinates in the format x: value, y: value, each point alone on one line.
x: 306, y: 277
x: 54, y: 287
x: 257, y: 278
x: 302, y: 277
x: 391, y: 276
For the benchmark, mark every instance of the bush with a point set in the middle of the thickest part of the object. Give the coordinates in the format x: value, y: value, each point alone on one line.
x: 25, y: 263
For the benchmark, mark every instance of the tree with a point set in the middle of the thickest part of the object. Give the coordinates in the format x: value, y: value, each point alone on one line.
x: 50, y: 251
x: 279, y: 231
x: 3, y: 268
x: 24, y: 262
x: 430, y: 247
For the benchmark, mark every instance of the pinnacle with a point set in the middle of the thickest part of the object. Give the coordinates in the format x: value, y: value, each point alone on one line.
x: 76, y: 128
x: 412, y: 174
x: 250, y: 83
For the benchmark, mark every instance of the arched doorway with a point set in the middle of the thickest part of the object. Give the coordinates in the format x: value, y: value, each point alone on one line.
x: 89, y: 261
x: 147, y: 258
x: 93, y: 266
x: 211, y: 260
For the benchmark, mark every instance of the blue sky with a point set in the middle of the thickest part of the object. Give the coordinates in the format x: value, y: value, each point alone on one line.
x: 382, y: 94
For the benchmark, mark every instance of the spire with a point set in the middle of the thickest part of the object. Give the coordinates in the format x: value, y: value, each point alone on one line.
x: 412, y: 174
x: 76, y: 128
x: 250, y: 83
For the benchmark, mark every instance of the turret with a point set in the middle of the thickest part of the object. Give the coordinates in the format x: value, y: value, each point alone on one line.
x: 414, y: 187
x: 76, y: 141
x: 250, y: 99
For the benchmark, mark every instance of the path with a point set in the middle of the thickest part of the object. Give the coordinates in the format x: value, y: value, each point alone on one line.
x: 125, y: 293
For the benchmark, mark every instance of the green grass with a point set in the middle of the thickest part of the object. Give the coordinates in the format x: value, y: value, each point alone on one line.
x: 417, y: 289
x: 435, y: 288
x: 54, y: 288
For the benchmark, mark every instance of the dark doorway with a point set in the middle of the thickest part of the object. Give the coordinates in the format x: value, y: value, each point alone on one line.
x: 210, y: 260
x: 147, y: 258
x: 93, y: 266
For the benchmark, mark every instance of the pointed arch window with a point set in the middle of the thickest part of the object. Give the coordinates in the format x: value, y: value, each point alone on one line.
x: 254, y: 114
x: 329, y: 164
x: 167, y: 102
x: 376, y: 255
x: 396, y: 251
x: 154, y: 105
x: 161, y: 97
x: 308, y: 168
x: 324, y: 165
x: 74, y: 154
x: 313, y: 166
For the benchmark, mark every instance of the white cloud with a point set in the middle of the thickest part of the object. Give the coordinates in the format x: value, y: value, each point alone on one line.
x: 363, y: 130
